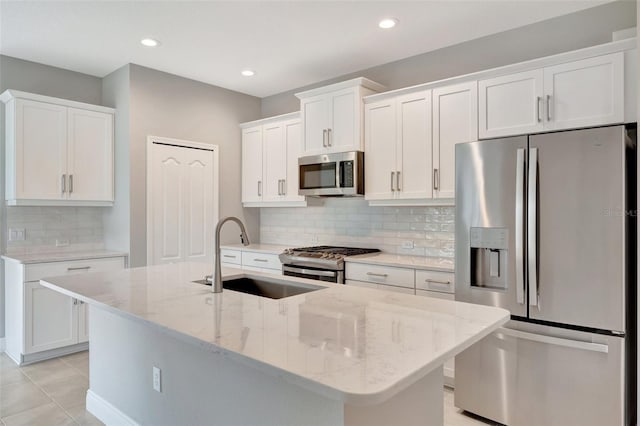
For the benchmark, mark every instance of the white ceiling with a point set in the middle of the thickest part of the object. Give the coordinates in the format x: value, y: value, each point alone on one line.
x: 288, y: 44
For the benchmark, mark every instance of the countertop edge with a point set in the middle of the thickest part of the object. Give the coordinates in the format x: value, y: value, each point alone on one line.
x: 61, y: 257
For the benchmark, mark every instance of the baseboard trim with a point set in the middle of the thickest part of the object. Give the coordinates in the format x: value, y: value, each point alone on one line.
x: 2, y: 345
x: 53, y: 353
x: 107, y: 413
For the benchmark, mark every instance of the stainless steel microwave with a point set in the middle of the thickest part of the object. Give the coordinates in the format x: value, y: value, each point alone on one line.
x: 332, y: 175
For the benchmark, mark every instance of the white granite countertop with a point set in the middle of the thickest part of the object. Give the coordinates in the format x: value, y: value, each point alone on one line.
x: 393, y: 339
x: 416, y: 262
x: 62, y: 256
x: 262, y: 248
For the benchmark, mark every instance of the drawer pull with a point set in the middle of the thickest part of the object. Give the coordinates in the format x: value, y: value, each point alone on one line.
x: 373, y: 274
x: 260, y: 260
x: 229, y: 256
x: 437, y: 281
x: 79, y: 268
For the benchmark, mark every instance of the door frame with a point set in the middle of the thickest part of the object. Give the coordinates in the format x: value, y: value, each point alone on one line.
x: 179, y: 143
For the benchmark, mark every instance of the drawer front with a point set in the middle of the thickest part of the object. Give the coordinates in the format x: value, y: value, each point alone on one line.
x: 395, y: 289
x: 231, y: 256
x: 435, y: 281
x: 261, y: 260
x: 436, y: 294
x: 400, y: 277
x: 362, y: 284
x: 37, y: 271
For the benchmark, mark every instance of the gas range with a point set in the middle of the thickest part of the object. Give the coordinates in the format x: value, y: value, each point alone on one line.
x: 325, y: 263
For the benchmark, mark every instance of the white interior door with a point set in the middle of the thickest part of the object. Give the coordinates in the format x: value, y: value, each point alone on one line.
x: 182, y: 202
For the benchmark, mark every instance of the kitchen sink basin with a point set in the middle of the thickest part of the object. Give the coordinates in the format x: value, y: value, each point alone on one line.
x: 273, y: 289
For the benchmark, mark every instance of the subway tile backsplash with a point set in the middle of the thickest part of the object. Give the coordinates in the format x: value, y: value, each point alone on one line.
x: 352, y: 222
x: 81, y: 226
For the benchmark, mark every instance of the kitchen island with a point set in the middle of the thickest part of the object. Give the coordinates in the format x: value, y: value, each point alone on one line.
x: 337, y: 355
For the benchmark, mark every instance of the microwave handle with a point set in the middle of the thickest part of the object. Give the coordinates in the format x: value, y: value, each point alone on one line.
x: 339, y: 166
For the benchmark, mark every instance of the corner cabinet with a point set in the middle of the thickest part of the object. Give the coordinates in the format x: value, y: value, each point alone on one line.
x: 583, y: 93
x: 410, y: 143
x: 58, y: 152
x: 270, y: 150
x: 332, y: 116
x: 42, y: 323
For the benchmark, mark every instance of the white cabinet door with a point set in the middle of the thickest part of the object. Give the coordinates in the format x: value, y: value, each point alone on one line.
x: 252, y: 185
x: 90, y: 155
x: 455, y: 120
x: 83, y: 322
x: 585, y: 93
x: 40, y: 151
x: 511, y: 104
x: 315, y: 120
x: 293, y: 137
x: 380, y: 146
x: 414, y: 156
x: 50, y: 319
x: 345, y: 118
x: 274, y: 152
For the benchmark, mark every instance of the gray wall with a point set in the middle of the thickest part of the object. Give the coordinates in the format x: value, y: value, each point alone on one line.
x: 574, y: 31
x: 167, y: 105
x: 45, y: 80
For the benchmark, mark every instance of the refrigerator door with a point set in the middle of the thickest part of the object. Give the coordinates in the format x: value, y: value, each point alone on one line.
x: 527, y: 374
x: 579, y: 247
x: 490, y: 220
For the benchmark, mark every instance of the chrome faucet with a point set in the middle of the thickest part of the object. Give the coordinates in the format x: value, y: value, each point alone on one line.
x: 216, y: 285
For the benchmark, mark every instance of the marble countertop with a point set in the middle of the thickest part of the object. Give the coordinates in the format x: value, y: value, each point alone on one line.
x: 262, y: 248
x: 62, y: 256
x: 416, y: 262
x: 353, y: 344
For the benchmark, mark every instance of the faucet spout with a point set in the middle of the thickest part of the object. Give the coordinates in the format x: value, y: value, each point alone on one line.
x: 216, y: 285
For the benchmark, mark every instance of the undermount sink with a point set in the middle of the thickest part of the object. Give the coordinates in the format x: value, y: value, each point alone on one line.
x: 273, y: 289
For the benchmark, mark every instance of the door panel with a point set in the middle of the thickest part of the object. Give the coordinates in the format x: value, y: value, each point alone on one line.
x: 414, y: 146
x: 344, y: 133
x: 315, y: 112
x: 83, y: 322
x: 380, y: 142
x: 168, y: 198
x: 486, y: 198
x: 275, y: 161
x: 293, y: 138
x: 199, y: 205
x: 51, y: 320
x: 252, y: 183
x: 581, y: 228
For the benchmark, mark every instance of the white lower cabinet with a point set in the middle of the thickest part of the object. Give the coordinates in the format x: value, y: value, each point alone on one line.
x: 42, y: 323
x: 251, y: 260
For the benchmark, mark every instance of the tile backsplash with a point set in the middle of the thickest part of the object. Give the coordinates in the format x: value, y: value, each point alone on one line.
x: 81, y: 226
x: 352, y: 222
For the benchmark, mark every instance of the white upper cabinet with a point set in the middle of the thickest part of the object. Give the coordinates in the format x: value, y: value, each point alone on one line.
x: 511, y: 104
x: 332, y: 116
x: 582, y: 93
x: 270, y: 150
x: 380, y: 149
x: 455, y: 120
x: 58, y: 152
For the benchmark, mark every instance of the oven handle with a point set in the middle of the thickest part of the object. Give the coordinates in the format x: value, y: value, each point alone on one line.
x: 310, y: 271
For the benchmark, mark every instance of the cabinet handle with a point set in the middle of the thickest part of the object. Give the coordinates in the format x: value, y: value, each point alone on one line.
x: 81, y: 302
x: 329, y: 137
x: 436, y: 179
x: 284, y: 187
x: 75, y: 301
x: 398, y: 181
x: 538, y: 116
x: 259, y: 188
x: 392, y: 173
x: 373, y: 274
x: 279, y: 186
x: 260, y: 260
x: 324, y: 138
x: 437, y: 281
x: 229, y: 256
x: 63, y: 183
x: 70, y: 184
x: 548, y: 107
x: 79, y: 268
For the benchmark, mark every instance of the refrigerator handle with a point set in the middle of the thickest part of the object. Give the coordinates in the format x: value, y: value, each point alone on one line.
x: 520, y: 171
x: 532, y: 226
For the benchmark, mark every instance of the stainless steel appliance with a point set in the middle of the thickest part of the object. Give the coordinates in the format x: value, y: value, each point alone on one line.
x: 543, y: 229
x: 323, y: 263
x: 332, y: 175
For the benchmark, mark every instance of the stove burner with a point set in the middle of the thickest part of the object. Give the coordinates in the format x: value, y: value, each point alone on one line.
x: 344, y: 251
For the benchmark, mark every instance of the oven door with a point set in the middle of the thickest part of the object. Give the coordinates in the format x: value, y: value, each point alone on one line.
x: 311, y: 273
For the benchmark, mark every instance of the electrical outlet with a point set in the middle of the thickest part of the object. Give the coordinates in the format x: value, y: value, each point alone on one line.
x: 157, y: 379
x: 17, y: 234
x: 62, y: 242
x: 408, y: 244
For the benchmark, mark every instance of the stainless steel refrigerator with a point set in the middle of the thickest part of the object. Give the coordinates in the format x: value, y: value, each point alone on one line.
x: 545, y: 227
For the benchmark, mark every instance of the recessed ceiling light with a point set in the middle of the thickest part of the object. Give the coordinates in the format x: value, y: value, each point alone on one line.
x: 387, y: 23
x: 247, y: 73
x: 149, y: 42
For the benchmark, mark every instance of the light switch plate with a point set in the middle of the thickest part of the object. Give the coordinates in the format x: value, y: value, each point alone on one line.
x: 157, y: 379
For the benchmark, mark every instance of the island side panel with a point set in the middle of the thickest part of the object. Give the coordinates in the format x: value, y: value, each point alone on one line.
x: 198, y: 386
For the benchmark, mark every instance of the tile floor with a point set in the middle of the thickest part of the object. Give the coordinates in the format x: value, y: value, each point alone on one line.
x: 53, y: 392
